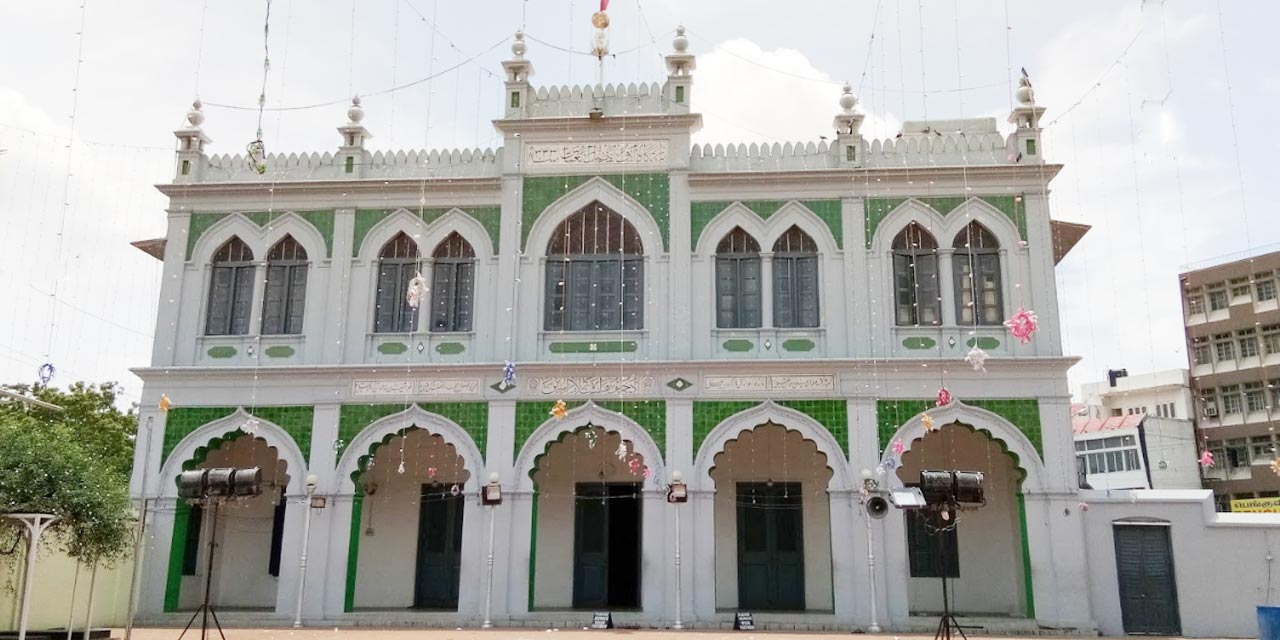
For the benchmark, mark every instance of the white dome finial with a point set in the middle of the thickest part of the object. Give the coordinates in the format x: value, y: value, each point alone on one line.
x: 1025, y: 94
x: 195, y: 116
x: 356, y: 113
x: 681, y: 42
x: 847, y: 99
x: 518, y: 46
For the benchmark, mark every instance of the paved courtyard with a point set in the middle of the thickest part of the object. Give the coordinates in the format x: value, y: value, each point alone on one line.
x: 346, y: 633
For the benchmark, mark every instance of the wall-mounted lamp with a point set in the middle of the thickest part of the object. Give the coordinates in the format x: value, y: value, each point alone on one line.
x: 677, y: 491
x: 491, y: 494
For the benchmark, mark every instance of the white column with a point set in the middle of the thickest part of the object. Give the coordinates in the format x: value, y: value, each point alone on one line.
x: 168, y: 315
x: 500, y: 457
x: 766, y: 291
x: 946, y: 287
x: 858, y: 337
x: 331, y: 344
x: 679, y: 457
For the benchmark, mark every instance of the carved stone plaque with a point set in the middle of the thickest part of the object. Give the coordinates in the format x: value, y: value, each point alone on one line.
x: 429, y: 388
x: 590, y: 386
x: 777, y: 383
x: 569, y: 154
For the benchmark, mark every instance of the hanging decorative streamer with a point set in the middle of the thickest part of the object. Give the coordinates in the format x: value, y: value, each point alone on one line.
x: 250, y: 426
x: 977, y: 358
x: 927, y: 420
x: 417, y: 291
x: 622, y: 451
x: 634, y: 464
x: 890, y: 464
x: 591, y: 437
x: 257, y: 150
x: 1023, y: 325
x: 400, y: 469
x: 455, y: 490
x: 560, y: 410
x: 1206, y: 460
x: 509, y: 374
x: 431, y: 472
x: 164, y: 403
x: 944, y: 397
x: 898, y: 447
x: 46, y: 372
x: 1083, y: 506
x: 647, y: 472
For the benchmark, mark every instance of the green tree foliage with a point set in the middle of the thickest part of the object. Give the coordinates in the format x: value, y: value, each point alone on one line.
x: 74, y: 464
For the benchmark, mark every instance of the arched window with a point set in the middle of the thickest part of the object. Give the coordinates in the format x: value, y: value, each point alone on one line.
x: 738, y: 281
x: 795, y: 280
x: 286, y: 290
x: 397, y: 264
x: 915, y: 278
x: 595, y: 273
x: 452, y: 284
x: 230, y: 290
x: 977, y: 277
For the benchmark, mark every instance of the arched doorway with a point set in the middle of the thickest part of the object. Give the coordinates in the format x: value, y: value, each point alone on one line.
x: 248, y: 533
x: 413, y: 488
x: 589, y: 518
x: 982, y: 551
x: 772, y: 516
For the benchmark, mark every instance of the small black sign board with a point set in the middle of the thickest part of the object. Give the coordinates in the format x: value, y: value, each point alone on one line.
x: 602, y: 620
x: 744, y: 621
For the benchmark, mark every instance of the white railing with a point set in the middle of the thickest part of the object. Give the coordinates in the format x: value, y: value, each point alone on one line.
x: 449, y: 163
x: 615, y: 100
x: 799, y: 156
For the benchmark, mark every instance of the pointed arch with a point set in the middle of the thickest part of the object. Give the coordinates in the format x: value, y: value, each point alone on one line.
x: 362, y: 446
x: 908, y: 213
x: 978, y: 275
x: 739, y: 299
x: 590, y: 413
x: 285, y: 288
x: 259, y: 238
x: 797, y: 291
x: 427, y: 236
x: 599, y: 190
x: 917, y: 288
x: 765, y: 413
x: 1023, y: 453
x: 231, y: 283
x: 229, y: 428
x: 766, y: 230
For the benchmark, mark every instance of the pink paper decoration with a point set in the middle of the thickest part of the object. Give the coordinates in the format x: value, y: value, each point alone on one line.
x: 898, y: 447
x: 431, y: 472
x: 944, y: 397
x: 977, y: 358
x: 1083, y: 506
x: 1023, y: 325
x: 647, y: 472
x: 634, y: 463
x: 1206, y: 459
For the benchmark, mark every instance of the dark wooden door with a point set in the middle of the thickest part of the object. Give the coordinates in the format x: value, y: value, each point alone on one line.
x: 439, y: 549
x: 606, y: 563
x: 1144, y: 566
x: 770, y: 546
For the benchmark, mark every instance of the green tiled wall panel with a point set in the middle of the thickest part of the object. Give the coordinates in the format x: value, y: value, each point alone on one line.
x: 651, y: 190
x: 875, y: 210
x: 651, y: 415
x: 473, y: 417
x: 488, y: 217
x: 831, y: 414
x: 702, y: 213
x: 1024, y: 413
x: 201, y: 222
x: 182, y: 421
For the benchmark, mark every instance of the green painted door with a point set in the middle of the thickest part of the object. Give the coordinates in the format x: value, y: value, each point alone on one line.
x: 439, y: 549
x: 1144, y: 566
x: 770, y: 546
x: 606, y: 549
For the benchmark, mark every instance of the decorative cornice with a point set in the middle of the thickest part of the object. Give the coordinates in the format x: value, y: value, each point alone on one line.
x: 856, y: 177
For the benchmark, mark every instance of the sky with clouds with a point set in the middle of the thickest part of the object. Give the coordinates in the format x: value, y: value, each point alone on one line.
x: 1159, y: 110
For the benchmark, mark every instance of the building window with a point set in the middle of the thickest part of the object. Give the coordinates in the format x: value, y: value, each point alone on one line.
x: 795, y: 280
x: 230, y: 290
x: 1255, y: 399
x: 1266, y: 289
x: 738, y: 296
x: 1271, y: 339
x: 1110, y: 455
x: 397, y: 265
x: 1237, y: 453
x: 1262, y: 448
x: 932, y: 547
x: 1195, y: 304
x: 1231, y: 399
x: 595, y: 273
x: 1209, y: 403
x: 1218, y: 300
x: 977, y: 252
x: 286, y: 288
x: 915, y: 277
x: 1239, y: 287
x: 1224, y: 347
x: 191, y: 544
x: 1274, y: 386
x: 1248, y: 343
x: 453, y: 274
x: 1200, y: 353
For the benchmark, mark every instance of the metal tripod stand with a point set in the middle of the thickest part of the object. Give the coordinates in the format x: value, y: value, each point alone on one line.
x: 206, y: 610
x: 948, y: 621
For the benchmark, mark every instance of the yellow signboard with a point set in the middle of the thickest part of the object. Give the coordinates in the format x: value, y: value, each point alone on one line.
x: 1256, y: 505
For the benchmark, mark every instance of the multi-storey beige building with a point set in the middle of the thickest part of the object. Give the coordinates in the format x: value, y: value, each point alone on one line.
x: 1232, y: 319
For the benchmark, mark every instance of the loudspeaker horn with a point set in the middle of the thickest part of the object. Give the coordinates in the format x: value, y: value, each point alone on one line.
x: 877, y: 507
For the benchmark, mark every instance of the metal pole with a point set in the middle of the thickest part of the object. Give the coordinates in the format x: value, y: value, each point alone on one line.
x: 874, y: 627
x: 678, y: 624
x: 36, y: 524
x: 488, y: 581
x: 88, y: 616
x: 302, y: 563
x: 71, y: 611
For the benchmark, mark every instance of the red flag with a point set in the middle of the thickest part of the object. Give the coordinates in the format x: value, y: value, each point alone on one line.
x: 604, y: 5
